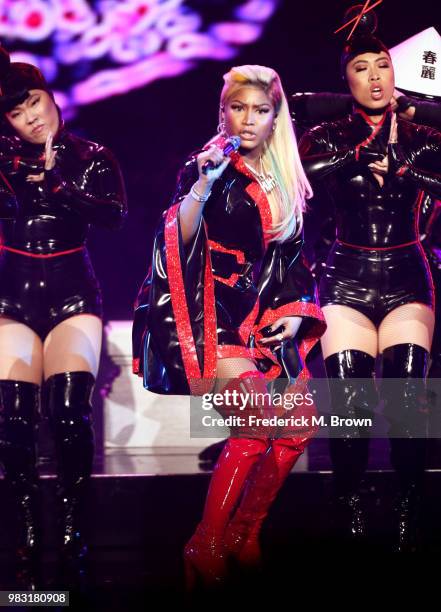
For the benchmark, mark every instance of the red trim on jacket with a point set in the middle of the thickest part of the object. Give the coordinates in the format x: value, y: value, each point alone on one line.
x: 201, y: 382
x: 248, y: 323
x: 293, y: 309
x: 254, y: 190
x: 197, y: 380
x: 136, y: 364
x: 377, y: 127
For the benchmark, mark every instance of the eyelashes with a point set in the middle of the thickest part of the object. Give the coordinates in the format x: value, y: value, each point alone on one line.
x: 261, y: 111
x: 363, y: 69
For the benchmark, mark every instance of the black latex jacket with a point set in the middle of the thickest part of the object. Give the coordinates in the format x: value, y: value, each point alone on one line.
x: 85, y: 187
x: 217, y: 292
x: 367, y: 214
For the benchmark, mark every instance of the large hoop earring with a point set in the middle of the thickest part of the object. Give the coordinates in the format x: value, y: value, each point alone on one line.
x: 221, y: 128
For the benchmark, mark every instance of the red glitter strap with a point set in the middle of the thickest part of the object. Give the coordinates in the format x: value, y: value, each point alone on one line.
x: 198, y: 382
x: 293, y: 309
x: 136, y: 365
x: 255, y: 191
x: 248, y: 323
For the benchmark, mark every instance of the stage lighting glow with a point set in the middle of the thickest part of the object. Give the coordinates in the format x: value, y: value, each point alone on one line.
x: 91, y: 50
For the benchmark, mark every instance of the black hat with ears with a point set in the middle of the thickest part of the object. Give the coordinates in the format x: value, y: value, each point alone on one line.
x: 16, y: 79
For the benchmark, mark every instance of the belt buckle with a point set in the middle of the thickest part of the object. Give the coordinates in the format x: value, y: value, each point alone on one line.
x: 240, y: 258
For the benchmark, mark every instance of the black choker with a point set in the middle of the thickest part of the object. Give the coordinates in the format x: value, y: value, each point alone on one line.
x: 372, y: 111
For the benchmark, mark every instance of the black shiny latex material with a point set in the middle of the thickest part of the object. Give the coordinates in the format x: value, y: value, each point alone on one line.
x: 353, y: 395
x: 350, y: 364
x: 84, y: 187
x: 374, y: 282
x: 309, y: 109
x: 376, y: 263
x: 357, y: 397
x: 406, y: 410
x: 43, y: 292
x: 19, y: 405
x: 68, y: 405
x: 405, y: 405
x: 366, y: 214
x: 267, y: 278
x: 52, y: 217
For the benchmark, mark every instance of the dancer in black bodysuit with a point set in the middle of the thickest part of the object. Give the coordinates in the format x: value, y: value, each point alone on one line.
x: 376, y: 290
x: 308, y: 109
x: 54, y: 185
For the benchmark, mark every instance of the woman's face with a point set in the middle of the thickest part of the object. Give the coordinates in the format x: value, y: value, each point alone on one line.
x: 371, y: 79
x: 249, y: 113
x: 34, y: 118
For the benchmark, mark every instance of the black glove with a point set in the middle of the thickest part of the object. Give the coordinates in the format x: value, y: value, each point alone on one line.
x: 368, y: 156
x: 397, y: 158
x: 403, y: 103
x: 312, y: 108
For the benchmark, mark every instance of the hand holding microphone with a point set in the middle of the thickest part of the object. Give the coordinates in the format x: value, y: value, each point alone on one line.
x: 231, y: 145
x: 213, y: 161
x: 211, y: 164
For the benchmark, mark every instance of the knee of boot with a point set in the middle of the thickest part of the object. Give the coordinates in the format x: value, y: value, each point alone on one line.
x: 351, y: 382
x: 288, y: 449
x: 295, y: 443
x: 69, y: 393
x: 68, y: 404
x: 248, y: 446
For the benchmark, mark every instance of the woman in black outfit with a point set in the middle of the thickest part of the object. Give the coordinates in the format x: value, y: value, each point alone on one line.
x: 376, y: 290
x: 54, y: 185
x: 227, y: 263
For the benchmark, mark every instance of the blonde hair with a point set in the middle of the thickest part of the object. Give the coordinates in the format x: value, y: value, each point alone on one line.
x: 280, y: 153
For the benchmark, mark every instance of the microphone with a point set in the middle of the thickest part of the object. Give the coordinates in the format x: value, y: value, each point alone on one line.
x: 232, y: 144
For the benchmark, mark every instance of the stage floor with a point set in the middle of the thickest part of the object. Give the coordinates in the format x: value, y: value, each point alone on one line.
x: 175, y: 461
x: 143, y: 505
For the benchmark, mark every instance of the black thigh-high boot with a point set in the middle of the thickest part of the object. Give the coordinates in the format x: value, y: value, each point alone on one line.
x: 406, y: 410
x: 353, y: 395
x: 19, y: 407
x: 68, y: 402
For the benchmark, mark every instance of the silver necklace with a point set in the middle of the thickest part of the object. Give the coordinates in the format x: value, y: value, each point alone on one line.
x: 265, y: 179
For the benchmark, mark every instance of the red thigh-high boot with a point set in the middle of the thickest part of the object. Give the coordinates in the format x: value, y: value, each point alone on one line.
x: 204, y: 554
x: 262, y: 487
